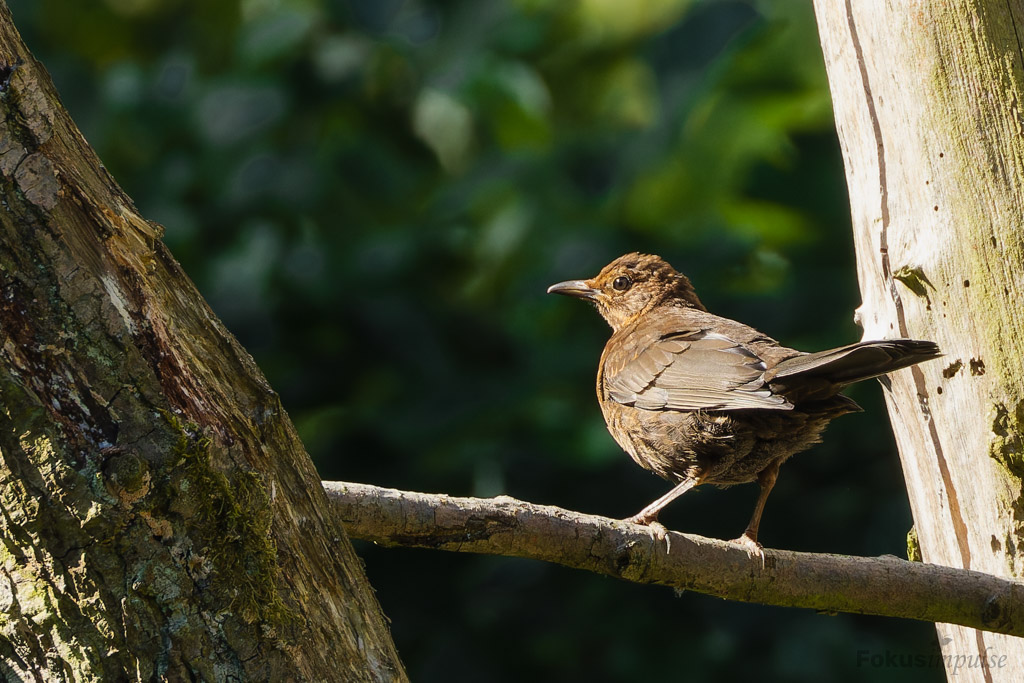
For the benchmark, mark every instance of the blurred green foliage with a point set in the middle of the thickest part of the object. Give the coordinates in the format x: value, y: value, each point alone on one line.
x: 373, y: 194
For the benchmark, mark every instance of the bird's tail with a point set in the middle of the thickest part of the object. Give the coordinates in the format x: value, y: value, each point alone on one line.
x: 854, y: 363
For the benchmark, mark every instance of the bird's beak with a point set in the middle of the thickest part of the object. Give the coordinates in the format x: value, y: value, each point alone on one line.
x: 577, y: 288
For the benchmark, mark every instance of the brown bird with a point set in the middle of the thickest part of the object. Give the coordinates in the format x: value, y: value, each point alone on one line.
x: 699, y: 399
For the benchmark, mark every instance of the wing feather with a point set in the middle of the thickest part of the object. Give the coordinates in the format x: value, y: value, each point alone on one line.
x: 692, y: 370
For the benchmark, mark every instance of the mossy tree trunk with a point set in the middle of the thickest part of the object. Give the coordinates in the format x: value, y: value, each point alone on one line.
x: 159, y: 517
x: 928, y: 103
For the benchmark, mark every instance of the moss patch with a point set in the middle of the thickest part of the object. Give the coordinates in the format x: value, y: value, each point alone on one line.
x: 914, y: 279
x: 228, y: 520
x: 1006, y: 445
x: 913, y: 546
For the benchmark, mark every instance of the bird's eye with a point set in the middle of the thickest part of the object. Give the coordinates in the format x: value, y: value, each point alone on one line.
x: 622, y: 283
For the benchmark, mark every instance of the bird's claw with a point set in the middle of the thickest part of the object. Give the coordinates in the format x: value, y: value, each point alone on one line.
x: 658, y: 530
x: 753, y: 548
x: 660, y: 533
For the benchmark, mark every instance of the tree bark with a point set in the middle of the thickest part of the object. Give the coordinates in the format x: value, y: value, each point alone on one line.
x: 886, y: 586
x: 159, y: 517
x: 927, y: 98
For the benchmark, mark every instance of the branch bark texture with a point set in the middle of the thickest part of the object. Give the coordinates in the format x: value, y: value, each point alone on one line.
x: 886, y: 586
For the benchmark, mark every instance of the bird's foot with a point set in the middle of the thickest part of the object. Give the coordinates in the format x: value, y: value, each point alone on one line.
x: 753, y: 548
x: 660, y: 533
x: 658, y: 530
x: 642, y: 519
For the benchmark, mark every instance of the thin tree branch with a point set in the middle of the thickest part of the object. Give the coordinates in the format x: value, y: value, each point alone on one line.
x: 886, y: 586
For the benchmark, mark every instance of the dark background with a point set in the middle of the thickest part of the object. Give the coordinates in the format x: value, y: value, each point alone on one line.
x: 374, y: 195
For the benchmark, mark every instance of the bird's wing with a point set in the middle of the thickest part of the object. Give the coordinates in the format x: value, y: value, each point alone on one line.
x: 691, y: 370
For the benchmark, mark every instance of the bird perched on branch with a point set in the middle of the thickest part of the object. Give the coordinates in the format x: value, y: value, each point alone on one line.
x: 699, y: 399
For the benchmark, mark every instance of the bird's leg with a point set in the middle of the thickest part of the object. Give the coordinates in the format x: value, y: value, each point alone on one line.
x: 766, y: 479
x: 649, y: 514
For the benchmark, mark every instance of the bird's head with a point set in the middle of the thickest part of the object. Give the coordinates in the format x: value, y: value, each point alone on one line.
x: 630, y: 286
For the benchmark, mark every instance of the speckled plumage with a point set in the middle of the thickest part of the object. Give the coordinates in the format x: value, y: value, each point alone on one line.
x: 697, y: 398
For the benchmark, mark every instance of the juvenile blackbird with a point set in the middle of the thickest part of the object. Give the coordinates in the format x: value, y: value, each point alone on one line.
x: 699, y: 399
